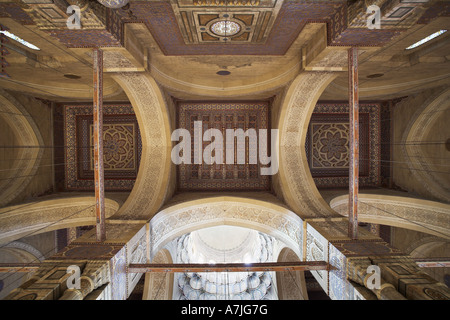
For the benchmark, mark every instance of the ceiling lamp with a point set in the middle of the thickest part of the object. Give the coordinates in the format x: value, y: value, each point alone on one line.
x: 18, y: 39
x: 430, y: 37
x: 225, y: 28
x: 114, y: 4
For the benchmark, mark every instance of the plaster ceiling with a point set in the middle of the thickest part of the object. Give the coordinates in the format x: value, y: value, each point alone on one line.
x: 219, y: 242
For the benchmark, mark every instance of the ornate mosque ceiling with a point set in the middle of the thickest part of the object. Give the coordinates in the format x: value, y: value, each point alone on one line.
x: 223, y: 116
x: 262, y: 44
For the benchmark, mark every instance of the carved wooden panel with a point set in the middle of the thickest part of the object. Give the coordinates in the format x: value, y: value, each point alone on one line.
x: 223, y: 116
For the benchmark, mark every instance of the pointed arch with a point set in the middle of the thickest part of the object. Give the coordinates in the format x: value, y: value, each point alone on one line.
x: 297, y: 184
x: 150, y: 188
x: 188, y: 216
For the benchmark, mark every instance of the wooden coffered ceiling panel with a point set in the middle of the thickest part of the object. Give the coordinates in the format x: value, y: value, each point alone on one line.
x: 254, y: 18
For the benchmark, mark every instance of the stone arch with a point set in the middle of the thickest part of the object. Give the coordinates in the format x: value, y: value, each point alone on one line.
x: 52, y: 214
x: 17, y: 252
x: 426, y: 216
x: 423, y: 122
x: 150, y: 188
x: 297, y: 184
x: 429, y: 248
x: 159, y: 286
x: 424, y: 243
x: 35, y: 253
x: 276, y: 80
x: 188, y: 216
x: 423, y: 249
x: 28, y: 157
x: 291, y: 284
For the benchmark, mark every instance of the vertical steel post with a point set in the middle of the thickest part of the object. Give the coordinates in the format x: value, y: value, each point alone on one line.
x: 354, y: 142
x: 98, y: 145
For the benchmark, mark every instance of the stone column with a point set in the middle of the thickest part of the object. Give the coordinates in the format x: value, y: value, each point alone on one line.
x: 401, y: 279
x: 357, y: 272
x: 102, y: 265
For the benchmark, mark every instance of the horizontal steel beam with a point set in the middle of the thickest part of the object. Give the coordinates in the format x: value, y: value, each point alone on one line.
x: 229, y: 267
x: 433, y: 262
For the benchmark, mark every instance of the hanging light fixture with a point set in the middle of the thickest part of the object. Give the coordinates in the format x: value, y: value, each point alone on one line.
x: 424, y: 40
x: 114, y: 4
x: 18, y: 39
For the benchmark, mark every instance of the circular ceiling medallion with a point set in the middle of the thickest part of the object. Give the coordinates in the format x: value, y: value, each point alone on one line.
x: 225, y: 28
x: 114, y: 4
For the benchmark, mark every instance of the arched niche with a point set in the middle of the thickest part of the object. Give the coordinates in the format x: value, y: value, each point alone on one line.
x: 185, y: 217
x: 428, y: 248
x: 17, y: 252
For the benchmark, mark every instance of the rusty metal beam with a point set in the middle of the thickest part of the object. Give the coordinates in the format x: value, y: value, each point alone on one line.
x: 433, y: 262
x: 354, y: 142
x: 98, y: 145
x: 229, y: 267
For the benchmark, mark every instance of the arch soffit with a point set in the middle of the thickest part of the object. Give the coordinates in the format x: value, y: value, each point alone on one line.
x: 28, y: 159
x: 152, y: 181
x: 189, y: 216
x: 48, y: 215
x: 426, y: 216
x: 297, y: 184
x: 421, y: 247
x: 29, y: 249
x: 417, y: 131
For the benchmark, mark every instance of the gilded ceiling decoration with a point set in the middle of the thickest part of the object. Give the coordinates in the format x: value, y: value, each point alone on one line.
x: 183, y: 27
x: 121, y: 142
x: 223, y: 116
x: 114, y: 4
x: 327, y: 145
x: 119, y: 146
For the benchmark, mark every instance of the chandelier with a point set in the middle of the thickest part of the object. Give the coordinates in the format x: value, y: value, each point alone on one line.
x: 114, y: 4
